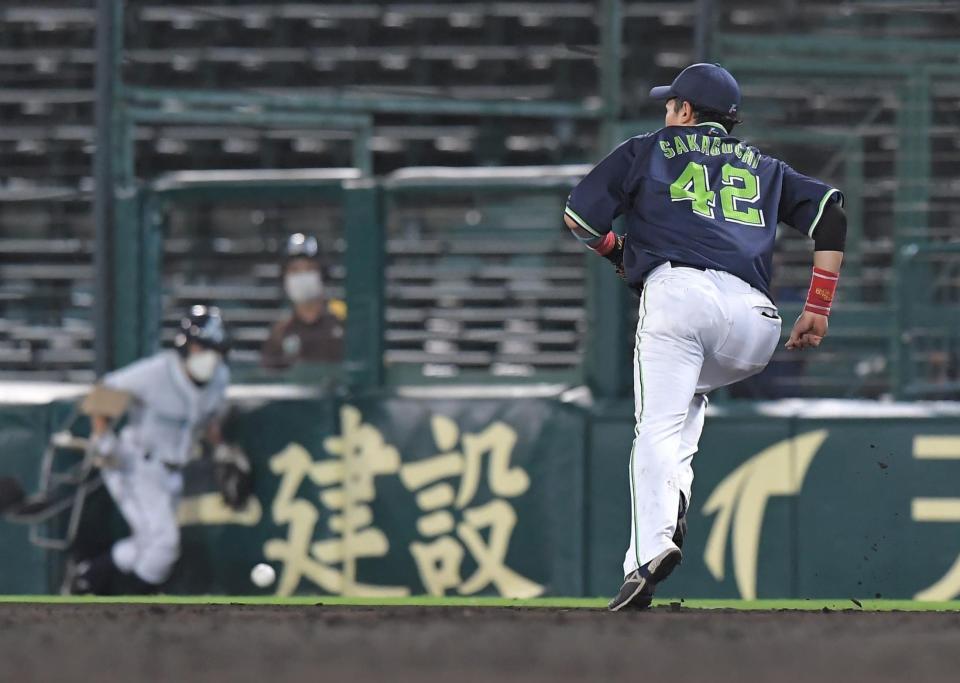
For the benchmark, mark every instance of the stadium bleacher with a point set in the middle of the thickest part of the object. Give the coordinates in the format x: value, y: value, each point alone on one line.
x: 498, y: 50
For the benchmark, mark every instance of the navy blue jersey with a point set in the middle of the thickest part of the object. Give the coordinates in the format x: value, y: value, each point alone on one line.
x: 698, y: 196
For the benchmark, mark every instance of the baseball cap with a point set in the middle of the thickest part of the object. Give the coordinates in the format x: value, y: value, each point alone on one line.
x: 709, y: 86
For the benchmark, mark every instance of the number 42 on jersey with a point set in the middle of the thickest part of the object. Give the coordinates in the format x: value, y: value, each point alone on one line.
x: 739, y: 190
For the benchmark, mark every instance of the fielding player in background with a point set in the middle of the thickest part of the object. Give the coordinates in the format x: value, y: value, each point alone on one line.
x: 313, y: 332
x: 177, y: 397
x: 701, y: 212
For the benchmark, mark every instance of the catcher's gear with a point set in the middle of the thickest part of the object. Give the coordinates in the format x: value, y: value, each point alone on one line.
x: 615, y: 256
x: 203, y: 325
x: 232, y: 473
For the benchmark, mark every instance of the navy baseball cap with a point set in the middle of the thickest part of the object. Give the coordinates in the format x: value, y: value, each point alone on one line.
x: 708, y: 86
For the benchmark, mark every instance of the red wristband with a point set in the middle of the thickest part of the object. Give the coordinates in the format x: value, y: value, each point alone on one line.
x: 823, y: 285
x: 607, y: 244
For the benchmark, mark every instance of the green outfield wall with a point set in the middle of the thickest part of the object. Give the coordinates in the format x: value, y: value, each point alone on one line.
x: 525, y: 495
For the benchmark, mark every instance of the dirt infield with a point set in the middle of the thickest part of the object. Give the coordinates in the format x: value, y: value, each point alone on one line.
x: 96, y: 642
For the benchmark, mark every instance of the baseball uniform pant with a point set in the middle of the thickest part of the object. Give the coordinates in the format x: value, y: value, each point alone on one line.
x: 147, y: 494
x: 697, y: 331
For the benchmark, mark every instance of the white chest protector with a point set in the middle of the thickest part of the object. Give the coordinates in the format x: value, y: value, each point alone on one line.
x: 170, y: 410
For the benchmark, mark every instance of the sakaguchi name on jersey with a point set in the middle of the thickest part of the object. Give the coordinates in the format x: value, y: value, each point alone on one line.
x: 710, y: 145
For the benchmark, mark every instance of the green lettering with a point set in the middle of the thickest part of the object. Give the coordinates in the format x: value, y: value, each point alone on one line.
x: 692, y: 143
x: 738, y: 150
x: 693, y: 186
x: 740, y: 190
x: 678, y: 143
x: 727, y: 148
x: 748, y: 156
x: 667, y: 150
x: 715, y: 147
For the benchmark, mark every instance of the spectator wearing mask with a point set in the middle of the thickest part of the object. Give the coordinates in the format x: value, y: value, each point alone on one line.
x: 313, y: 332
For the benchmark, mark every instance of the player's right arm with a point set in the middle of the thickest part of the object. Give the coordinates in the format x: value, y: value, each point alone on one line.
x: 600, y: 197
x: 103, y: 405
x: 134, y: 379
x: 99, y: 424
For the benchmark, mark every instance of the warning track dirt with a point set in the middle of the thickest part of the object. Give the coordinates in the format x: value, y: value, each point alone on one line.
x: 261, y: 642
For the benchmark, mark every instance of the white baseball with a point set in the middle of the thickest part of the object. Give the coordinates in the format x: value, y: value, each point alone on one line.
x: 262, y: 575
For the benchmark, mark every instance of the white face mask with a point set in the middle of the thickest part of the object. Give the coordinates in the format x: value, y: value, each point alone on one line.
x: 202, y: 365
x: 303, y: 286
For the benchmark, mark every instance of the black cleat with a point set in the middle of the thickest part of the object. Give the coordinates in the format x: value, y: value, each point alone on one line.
x: 638, y: 586
x: 89, y: 577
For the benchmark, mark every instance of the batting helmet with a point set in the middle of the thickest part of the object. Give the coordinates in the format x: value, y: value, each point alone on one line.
x: 203, y: 325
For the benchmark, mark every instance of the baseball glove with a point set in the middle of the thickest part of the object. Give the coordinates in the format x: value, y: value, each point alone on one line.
x: 232, y: 473
x: 615, y: 256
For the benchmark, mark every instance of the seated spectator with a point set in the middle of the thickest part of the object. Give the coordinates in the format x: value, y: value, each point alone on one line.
x: 313, y: 332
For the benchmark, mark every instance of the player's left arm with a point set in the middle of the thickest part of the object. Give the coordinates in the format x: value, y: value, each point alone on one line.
x: 231, y: 464
x: 212, y: 432
x: 816, y: 209
x: 829, y: 241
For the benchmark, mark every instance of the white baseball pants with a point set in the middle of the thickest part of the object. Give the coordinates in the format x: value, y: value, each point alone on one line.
x: 147, y: 494
x: 698, y: 330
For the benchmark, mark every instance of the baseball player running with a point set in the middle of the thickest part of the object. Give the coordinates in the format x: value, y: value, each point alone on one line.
x: 701, y: 210
x: 177, y: 397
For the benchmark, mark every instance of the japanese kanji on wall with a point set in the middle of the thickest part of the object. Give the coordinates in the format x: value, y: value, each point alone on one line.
x: 460, y: 494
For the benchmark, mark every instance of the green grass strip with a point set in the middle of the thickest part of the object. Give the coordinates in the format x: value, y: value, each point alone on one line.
x: 428, y: 601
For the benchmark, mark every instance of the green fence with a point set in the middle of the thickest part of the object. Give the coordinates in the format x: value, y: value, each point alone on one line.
x: 838, y: 103
x: 927, y: 355
x: 884, y: 108
x: 464, y: 275
x: 426, y: 492
x: 449, y: 275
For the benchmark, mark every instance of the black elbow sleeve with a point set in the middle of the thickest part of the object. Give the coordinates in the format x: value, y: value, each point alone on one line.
x: 831, y: 232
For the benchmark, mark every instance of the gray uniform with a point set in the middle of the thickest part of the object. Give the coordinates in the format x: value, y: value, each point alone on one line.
x: 169, y: 414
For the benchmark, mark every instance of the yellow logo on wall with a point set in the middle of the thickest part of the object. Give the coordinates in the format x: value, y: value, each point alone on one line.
x: 938, y: 510
x: 740, y: 501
